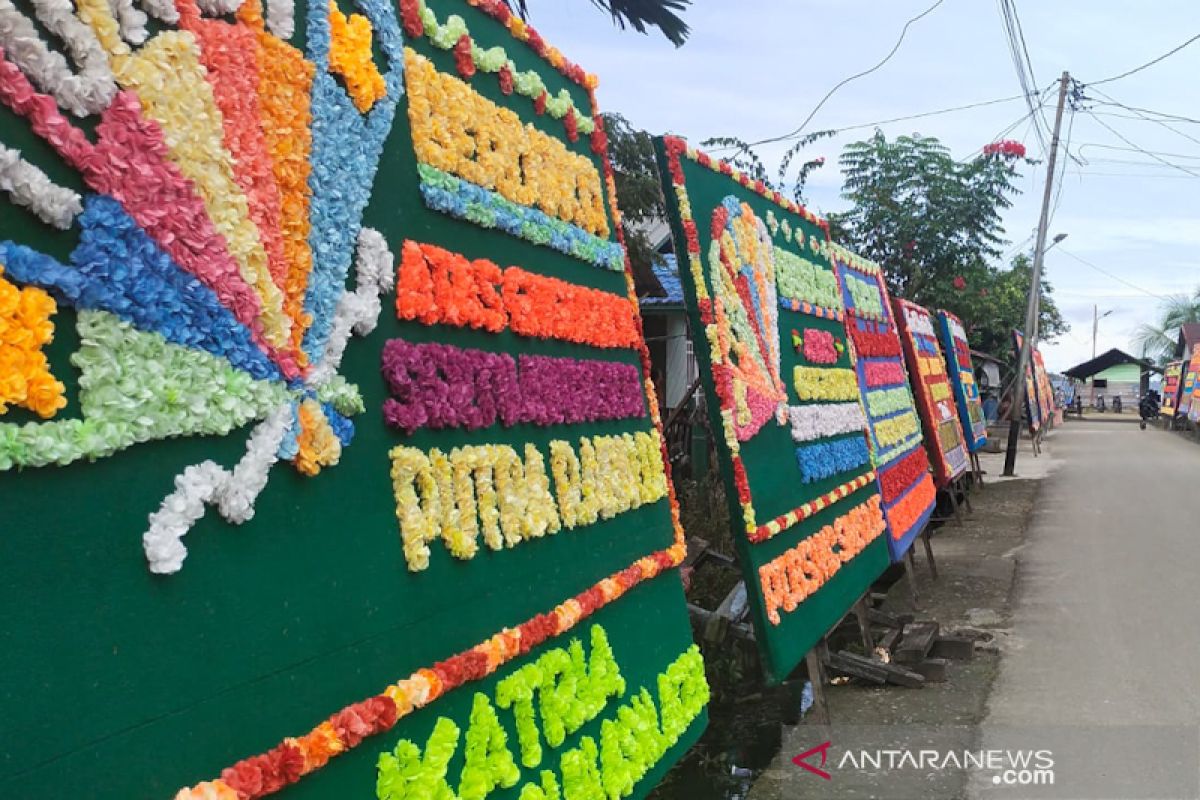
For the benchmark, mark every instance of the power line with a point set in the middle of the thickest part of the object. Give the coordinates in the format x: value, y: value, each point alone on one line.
x: 1150, y: 63
x: 1116, y: 133
x: 1103, y: 271
x: 1135, y: 149
x: 1021, y: 62
x: 856, y: 76
x: 1158, y: 122
x: 1164, y: 114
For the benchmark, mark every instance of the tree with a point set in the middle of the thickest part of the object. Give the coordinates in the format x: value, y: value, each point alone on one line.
x: 935, y: 226
x: 641, y: 15
x: 1157, y: 340
x: 639, y: 193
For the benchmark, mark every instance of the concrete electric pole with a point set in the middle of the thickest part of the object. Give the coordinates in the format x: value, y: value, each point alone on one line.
x: 1035, y: 289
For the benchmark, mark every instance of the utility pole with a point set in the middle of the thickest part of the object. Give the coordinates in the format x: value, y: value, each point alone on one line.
x: 1035, y: 289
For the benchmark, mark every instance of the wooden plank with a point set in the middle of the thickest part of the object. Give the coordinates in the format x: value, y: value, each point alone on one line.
x: 917, y: 641
x: 958, y: 648
x: 933, y: 670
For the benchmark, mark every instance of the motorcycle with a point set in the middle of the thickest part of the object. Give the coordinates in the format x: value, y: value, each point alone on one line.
x: 1148, y: 408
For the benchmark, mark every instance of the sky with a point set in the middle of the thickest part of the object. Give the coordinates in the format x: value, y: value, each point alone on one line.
x: 755, y: 68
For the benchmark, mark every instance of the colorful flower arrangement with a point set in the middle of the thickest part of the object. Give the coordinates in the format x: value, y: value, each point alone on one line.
x: 27, y: 186
x: 873, y: 339
x: 825, y: 419
x: 943, y: 435
x: 800, y: 280
x: 905, y: 515
x: 491, y: 489
x: 350, y: 57
x: 825, y: 383
x: 790, y: 578
x: 419, y: 20
x: 293, y: 758
x: 903, y: 467
x: 819, y: 347
x: 464, y: 200
x: 436, y: 286
x: 570, y: 691
x: 441, y: 386
x: 903, y: 474
x: 884, y: 373
x: 742, y: 269
x: 884, y: 402
x: 822, y: 460
x: 718, y: 341
x: 459, y: 131
x: 865, y: 296
x: 25, y: 328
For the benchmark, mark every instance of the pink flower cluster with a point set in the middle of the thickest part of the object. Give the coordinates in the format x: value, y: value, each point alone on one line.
x: 884, y: 373
x: 819, y: 347
x: 1006, y: 147
x: 442, y: 386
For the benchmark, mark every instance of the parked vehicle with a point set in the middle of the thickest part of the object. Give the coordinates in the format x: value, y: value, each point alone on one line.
x: 1148, y: 407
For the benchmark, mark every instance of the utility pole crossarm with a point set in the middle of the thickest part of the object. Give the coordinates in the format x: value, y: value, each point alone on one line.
x: 1035, y: 288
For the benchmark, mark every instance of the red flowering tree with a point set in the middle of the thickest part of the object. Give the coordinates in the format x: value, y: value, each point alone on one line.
x: 935, y: 225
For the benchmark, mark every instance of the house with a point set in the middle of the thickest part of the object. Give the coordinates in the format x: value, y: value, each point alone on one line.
x: 664, y: 317
x: 1189, y: 337
x: 1113, y: 374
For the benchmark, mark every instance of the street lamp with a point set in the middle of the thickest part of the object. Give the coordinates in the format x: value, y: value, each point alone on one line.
x: 1057, y: 239
x: 1096, y: 317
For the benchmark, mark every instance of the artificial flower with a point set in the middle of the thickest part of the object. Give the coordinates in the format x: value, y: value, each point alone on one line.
x: 821, y: 460
x: 825, y: 383
x: 27, y: 186
x: 802, y: 280
x: 864, y: 295
x: 787, y: 580
x: 439, y: 386
x: 885, y: 402
x: 820, y: 347
x: 904, y: 515
x: 462, y: 199
x: 884, y: 373
x: 451, y: 123
x: 90, y: 88
x: 25, y: 328
x: 350, y: 56
x: 490, y: 489
x: 896, y: 479
x: 825, y: 419
x: 436, y: 286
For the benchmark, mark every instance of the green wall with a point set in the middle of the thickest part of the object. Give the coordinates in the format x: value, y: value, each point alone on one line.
x: 116, y: 683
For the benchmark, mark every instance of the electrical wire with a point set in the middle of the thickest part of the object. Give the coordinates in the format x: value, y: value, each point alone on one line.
x: 856, y: 76
x: 1149, y: 63
x: 1142, y: 150
x: 1158, y: 122
x: 1103, y: 271
x: 1021, y: 63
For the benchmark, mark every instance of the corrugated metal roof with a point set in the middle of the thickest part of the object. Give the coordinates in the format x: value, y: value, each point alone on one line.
x: 667, y: 273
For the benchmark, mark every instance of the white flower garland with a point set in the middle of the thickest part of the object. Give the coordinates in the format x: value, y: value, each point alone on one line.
x: 161, y: 10
x: 130, y: 19
x: 233, y: 492
x: 216, y: 8
x: 28, y: 186
x: 281, y: 18
x: 358, y: 311
x: 830, y: 419
x: 87, y: 92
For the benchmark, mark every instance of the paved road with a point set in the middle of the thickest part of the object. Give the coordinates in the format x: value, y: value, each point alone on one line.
x: 1106, y: 623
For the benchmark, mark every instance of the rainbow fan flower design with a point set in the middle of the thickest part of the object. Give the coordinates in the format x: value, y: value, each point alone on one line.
x: 227, y: 175
x: 742, y: 267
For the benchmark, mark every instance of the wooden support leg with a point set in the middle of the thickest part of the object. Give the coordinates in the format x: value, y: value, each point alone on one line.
x: 966, y: 494
x: 977, y: 469
x: 864, y: 626
x: 911, y: 575
x: 929, y: 554
x: 819, y: 714
x: 954, y: 503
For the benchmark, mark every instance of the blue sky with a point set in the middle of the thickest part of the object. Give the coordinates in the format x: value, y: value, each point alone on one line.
x: 756, y: 68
